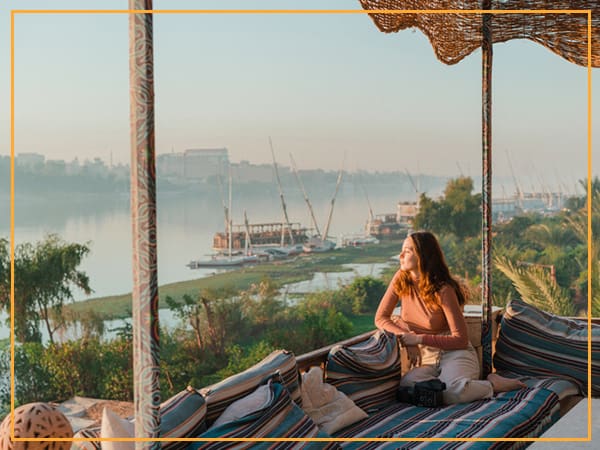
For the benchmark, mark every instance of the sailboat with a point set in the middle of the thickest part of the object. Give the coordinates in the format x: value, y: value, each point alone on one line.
x: 229, y: 260
x: 320, y: 243
x: 293, y: 247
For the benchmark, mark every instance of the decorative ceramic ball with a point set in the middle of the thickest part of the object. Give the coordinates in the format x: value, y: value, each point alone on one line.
x: 36, y: 420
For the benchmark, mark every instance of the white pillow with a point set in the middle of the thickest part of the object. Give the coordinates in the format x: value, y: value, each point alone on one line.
x: 114, y: 426
x: 259, y: 399
x: 329, y: 408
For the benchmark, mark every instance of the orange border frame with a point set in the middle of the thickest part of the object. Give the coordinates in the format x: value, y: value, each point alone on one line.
x: 312, y: 12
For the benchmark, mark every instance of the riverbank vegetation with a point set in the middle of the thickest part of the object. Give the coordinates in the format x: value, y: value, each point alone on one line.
x: 231, y: 320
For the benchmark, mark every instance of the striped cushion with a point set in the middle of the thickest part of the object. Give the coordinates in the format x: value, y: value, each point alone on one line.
x: 536, y: 343
x: 368, y: 372
x: 516, y: 414
x: 280, y: 417
x: 87, y: 433
x: 180, y: 416
x: 219, y: 396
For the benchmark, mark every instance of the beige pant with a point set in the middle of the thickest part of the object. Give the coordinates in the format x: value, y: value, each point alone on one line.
x: 459, y: 369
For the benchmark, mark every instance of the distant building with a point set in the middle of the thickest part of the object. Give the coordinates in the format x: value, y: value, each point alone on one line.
x: 193, y: 164
x: 202, y: 163
x: 96, y: 167
x: 30, y: 160
x: 245, y: 172
x: 73, y: 167
x: 170, y: 165
x: 55, y: 167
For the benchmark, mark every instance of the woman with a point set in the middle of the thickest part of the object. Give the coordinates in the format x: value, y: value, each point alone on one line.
x: 432, y: 326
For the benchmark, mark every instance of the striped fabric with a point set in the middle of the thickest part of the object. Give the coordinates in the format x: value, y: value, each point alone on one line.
x: 87, y: 433
x: 560, y: 386
x: 278, y: 418
x: 535, y: 343
x: 523, y: 413
x: 368, y: 372
x: 180, y: 416
x: 219, y: 396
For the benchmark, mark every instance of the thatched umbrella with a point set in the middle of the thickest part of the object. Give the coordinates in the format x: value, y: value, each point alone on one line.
x: 456, y: 35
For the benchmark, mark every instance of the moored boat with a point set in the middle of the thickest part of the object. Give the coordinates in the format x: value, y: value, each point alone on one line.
x: 224, y: 261
x: 261, y: 235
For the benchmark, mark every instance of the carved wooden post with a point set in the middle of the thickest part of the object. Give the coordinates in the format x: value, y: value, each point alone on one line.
x: 143, y: 215
x: 486, y: 191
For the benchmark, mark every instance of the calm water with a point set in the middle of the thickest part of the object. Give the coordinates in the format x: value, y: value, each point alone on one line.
x: 185, y: 229
x: 186, y: 225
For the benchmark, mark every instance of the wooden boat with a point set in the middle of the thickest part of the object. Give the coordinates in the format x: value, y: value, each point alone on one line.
x: 318, y: 245
x: 262, y: 235
x: 222, y: 261
x: 393, y: 225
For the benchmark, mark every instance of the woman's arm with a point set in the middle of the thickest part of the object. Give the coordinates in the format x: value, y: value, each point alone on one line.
x: 383, y: 316
x: 459, y: 336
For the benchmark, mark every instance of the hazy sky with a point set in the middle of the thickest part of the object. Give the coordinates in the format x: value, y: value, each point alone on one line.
x: 319, y: 85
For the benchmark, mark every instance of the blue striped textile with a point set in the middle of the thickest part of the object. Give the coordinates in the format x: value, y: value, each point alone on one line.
x: 560, y: 386
x: 522, y: 413
x: 279, y: 418
x: 368, y: 372
x: 220, y: 395
x: 181, y: 416
x: 536, y: 343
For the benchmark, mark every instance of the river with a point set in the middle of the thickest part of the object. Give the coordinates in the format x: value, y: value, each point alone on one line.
x: 185, y: 227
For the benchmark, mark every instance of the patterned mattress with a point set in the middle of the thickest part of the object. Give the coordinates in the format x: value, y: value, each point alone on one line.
x: 517, y: 414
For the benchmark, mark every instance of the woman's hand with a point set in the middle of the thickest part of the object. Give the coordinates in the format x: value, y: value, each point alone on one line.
x: 411, y: 339
x: 414, y: 355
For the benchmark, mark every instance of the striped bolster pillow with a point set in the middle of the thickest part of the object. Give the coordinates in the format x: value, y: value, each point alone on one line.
x: 367, y: 372
x: 220, y: 395
x: 87, y: 433
x: 180, y: 416
x: 279, y: 417
x: 536, y: 343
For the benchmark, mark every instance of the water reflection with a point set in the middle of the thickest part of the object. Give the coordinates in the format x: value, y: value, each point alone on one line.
x: 322, y: 281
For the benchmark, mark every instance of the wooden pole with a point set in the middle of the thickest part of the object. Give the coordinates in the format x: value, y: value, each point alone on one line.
x: 486, y: 190
x: 143, y: 214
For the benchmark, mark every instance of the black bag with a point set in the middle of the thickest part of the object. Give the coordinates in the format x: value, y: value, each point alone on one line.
x: 424, y: 393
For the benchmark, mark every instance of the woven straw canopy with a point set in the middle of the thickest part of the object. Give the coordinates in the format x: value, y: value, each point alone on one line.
x: 454, y: 36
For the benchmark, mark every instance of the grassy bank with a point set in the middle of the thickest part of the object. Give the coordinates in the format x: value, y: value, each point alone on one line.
x: 282, y: 272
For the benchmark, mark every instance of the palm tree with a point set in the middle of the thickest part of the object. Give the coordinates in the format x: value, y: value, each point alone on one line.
x: 537, y: 287
x: 579, y: 224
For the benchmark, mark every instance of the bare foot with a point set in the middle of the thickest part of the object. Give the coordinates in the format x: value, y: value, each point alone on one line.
x: 503, y: 384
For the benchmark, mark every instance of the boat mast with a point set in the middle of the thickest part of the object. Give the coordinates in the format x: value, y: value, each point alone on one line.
x: 229, y: 221
x: 248, y: 244
x: 337, y: 186
x: 414, y: 185
x: 518, y: 190
x: 371, y: 215
x: 310, y: 208
x: 285, y: 214
x: 225, y: 208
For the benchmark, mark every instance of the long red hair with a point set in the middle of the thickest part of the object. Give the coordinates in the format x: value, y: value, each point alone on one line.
x: 433, y: 272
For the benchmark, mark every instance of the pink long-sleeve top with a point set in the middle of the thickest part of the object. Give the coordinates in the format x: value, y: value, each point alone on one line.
x: 445, y: 327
